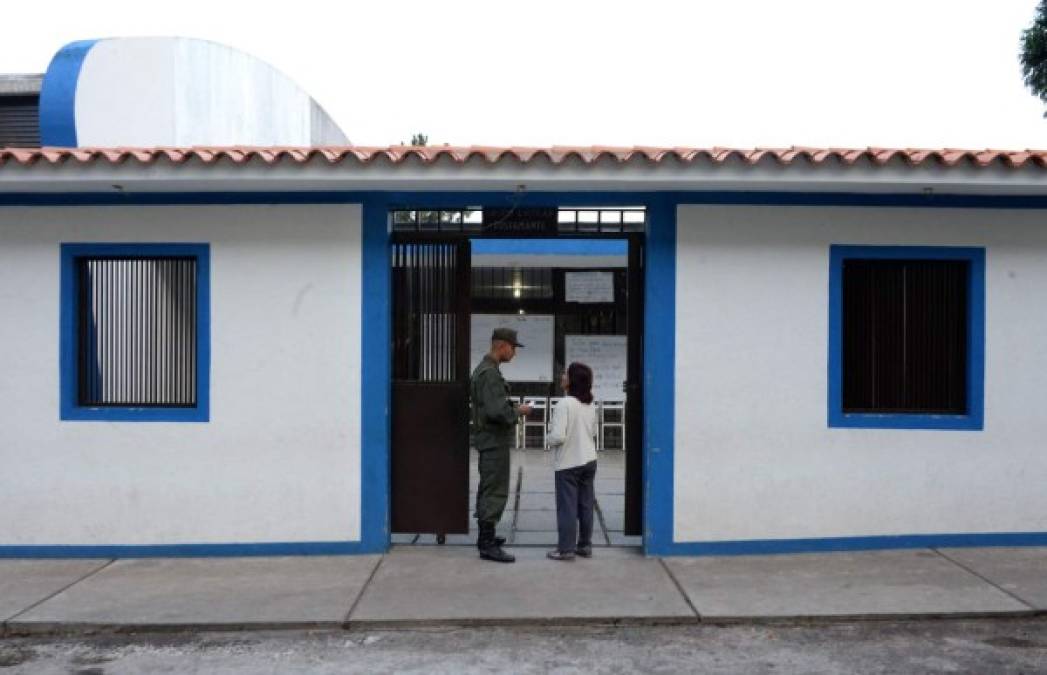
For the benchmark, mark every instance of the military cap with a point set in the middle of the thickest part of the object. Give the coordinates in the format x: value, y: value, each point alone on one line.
x: 507, y: 334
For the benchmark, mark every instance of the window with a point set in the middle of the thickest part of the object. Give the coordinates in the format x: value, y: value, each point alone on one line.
x: 906, y: 337
x: 135, y: 328
x: 565, y: 220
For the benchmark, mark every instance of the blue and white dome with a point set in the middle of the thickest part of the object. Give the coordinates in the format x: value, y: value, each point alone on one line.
x: 149, y: 92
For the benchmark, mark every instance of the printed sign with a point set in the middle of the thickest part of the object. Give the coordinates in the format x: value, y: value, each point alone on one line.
x: 589, y: 287
x: 534, y: 362
x: 521, y: 220
x: 607, y: 356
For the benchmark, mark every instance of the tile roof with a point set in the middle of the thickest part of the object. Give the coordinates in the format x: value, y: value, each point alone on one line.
x: 556, y: 155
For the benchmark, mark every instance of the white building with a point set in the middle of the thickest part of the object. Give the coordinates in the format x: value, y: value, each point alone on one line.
x: 841, y: 349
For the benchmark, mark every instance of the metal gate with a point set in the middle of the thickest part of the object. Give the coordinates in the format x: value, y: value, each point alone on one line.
x: 634, y: 423
x: 430, y: 420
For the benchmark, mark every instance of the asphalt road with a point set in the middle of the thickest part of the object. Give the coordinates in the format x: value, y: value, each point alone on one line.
x: 949, y: 646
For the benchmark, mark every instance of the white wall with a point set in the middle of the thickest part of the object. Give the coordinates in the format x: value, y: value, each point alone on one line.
x: 280, y: 459
x: 754, y: 458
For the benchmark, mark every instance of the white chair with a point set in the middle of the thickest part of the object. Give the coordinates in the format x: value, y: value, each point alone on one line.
x: 610, y: 415
x: 520, y: 425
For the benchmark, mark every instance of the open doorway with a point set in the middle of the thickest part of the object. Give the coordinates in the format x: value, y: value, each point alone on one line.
x: 568, y: 301
x: 572, y: 296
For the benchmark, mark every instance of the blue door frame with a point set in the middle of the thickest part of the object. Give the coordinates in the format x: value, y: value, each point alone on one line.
x: 659, y: 331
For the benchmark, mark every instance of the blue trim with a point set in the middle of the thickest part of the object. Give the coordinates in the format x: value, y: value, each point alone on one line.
x: 973, y: 420
x: 58, y: 95
x: 68, y: 407
x: 458, y: 199
x: 659, y: 375
x: 878, y: 543
x: 581, y: 247
x: 376, y: 381
x: 742, y: 547
x: 659, y: 359
x: 186, y: 550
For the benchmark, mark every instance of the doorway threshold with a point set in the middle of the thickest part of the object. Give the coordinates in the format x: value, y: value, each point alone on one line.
x: 530, y: 514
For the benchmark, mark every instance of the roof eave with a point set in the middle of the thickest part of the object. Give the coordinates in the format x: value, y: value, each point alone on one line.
x: 536, y: 174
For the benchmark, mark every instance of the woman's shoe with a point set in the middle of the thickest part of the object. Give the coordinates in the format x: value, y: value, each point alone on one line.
x: 557, y: 554
x: 584, y: 551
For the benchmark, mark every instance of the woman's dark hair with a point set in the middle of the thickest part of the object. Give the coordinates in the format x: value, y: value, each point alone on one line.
x: 580, y: 382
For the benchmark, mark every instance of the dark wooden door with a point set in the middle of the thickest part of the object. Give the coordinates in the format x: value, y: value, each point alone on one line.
x: 430, y: 415
x: 634, y: 419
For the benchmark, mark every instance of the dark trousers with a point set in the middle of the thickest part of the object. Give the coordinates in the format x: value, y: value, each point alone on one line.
x: 493, y: 491
x: 575, y: 498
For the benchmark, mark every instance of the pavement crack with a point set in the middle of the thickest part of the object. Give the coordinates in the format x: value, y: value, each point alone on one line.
x: 61, y: 590
x: 603, y: 524
x: 363, y: 589
x: 983, y: 578
x: 679, y: 587
x: 516, y: 505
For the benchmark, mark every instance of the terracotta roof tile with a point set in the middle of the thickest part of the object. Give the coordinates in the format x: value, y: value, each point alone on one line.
x: 397, y: 154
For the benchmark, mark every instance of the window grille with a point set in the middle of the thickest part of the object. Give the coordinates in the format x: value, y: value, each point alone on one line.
x: 137, y: 331
x: 19, y: 121
x: 905, y: 325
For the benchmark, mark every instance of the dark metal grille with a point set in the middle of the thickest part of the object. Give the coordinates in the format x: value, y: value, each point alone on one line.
x: 427, y: 289
x: 137, y: 331
x: 905, y: 336
x: 19, y: 121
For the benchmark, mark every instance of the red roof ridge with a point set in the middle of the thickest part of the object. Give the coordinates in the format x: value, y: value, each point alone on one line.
x: 555, y: 154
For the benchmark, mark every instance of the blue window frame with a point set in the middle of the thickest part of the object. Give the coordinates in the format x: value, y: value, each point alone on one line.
x: 135, y: 332
x: 973, y: 334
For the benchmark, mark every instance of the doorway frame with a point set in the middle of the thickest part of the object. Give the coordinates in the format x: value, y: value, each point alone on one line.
x: 659, y: 281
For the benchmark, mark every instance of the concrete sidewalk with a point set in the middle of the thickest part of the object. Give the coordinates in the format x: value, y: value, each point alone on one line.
x: 449, y: 585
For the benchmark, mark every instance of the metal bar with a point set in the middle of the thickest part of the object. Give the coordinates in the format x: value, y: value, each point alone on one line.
x: 158, y: 331
x: 176, y: 330
x: 194, y: 317
x: 414, y: 275
x: 174, y: 337
x: 438, y: 311
x: 185, y: 331
x: 426, y: 310
x: 445, y: 314
x: 166, y: 335
x: 427, y: 314
x: 134, y: 323
x: 122, y: 293
x: 112, y: 364
x: 117, y: 335
x: 82, y: 328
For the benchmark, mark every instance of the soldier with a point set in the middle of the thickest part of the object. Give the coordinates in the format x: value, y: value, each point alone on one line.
x: 494, y: 423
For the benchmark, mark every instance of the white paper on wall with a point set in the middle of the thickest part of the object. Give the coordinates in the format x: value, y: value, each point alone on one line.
x: 533, y: 362
x: 607, y: 356
x: 589, y: 287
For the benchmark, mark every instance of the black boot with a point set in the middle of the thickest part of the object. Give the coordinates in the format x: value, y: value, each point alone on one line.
x: 498, y: 541
x: 490, y: 549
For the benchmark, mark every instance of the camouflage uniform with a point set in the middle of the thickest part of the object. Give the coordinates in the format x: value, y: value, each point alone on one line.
x: 494, y: 426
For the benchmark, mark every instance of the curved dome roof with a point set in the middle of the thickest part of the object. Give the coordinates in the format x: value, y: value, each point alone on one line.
x: 151, y: 91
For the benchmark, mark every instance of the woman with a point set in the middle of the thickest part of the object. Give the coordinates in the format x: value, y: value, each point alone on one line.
x: 572, y: 434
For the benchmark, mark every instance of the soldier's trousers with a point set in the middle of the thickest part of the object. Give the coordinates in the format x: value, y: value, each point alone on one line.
x: 493, y: 491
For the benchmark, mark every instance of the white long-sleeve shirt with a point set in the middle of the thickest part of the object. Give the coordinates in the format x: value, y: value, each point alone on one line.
x: 572, y: 433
